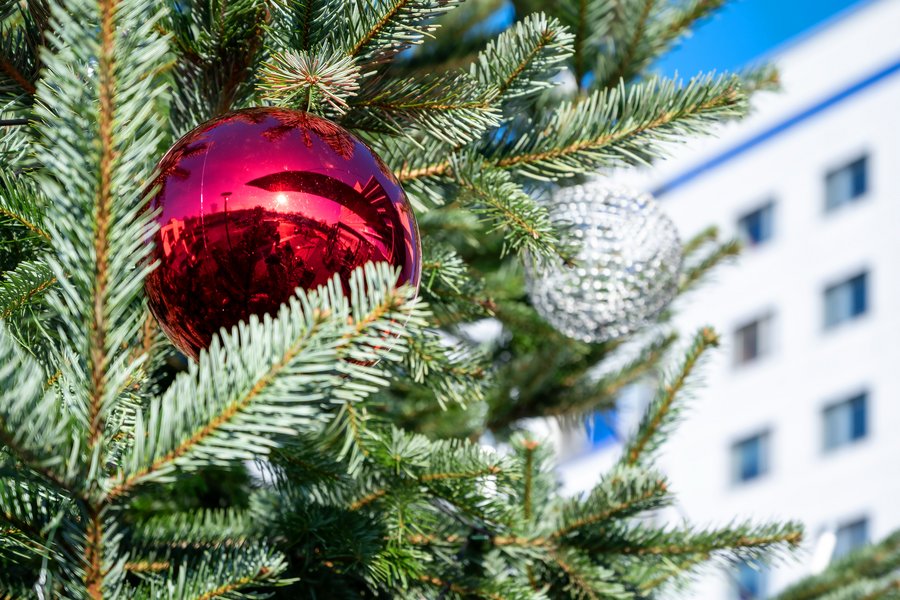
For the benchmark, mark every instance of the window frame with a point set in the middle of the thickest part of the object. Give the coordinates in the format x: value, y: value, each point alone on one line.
x: 864, y: 274
x: 763, y: 438
x: 767, y: 205
x: 847, y: 400
x: 863, y: 158
x: 765, y: 336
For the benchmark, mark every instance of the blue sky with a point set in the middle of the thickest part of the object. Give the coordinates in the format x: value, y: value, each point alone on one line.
x: 746, y: 29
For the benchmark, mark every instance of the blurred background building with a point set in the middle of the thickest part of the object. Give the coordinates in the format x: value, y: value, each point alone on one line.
x: 798, y: 413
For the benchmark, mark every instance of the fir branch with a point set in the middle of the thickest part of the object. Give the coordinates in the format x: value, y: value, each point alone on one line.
x: 16, y: 76
x: 529, y: 446
x: 453, y: 294
x: 535, y: 482
x: 22, y: 286
x: 408, y: 172
x: 525, y: 224
x: 367, y: 499
x: 448, y: 586
x: 662, y: 411
x: 624, y: 63
x: 886, y: 588
x: 443, y: 267
x: 453, y: 108
x: 218, y: 573
x: 16, y: 591
x: 448, y: 473
x: 452, y: 372
x: 472, y: 474
x: 94, y: 549
x: 301, y: 25
x: 696, y: 271
x: 610, y: 127
x: 407, y: 153
x: 376, y: 30
x: 619, y: 495
x: 149, y: 338
x: 33, y: 425
x: 319, y: 351
x: 582, y: 579
x: 321, y: 82
x: 98, y: 137
x: 197, y: 529
x: 30, y: 511
x: 521, y: 61
x: 619, y: 126
x: 21, y: 202
x: 737, y: 542
x: 763, y: 78
x: 589, y: 393
x: 218, y: 44
x: 670, y: 569
x: 21, y: 35
x: 643, y: 30
x: 147, y: 566
x: 869, y: 563
x: 687, y: 15
x: 302, y: 461
x: 360, y: 507
x: 708, y: 235
x: 589, y: 21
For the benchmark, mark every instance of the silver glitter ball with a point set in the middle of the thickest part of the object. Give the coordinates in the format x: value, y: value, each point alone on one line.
x: 628, y: 263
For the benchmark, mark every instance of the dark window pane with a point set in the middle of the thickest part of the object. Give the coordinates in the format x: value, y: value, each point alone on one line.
x: 752, y: 340
x: 846, y: 300
x: 845, y: 422
x: 833, y: 427
x: 750, y: 458
x: 858, y: 286
x: 858, y: 170
x: 858, y: 418
x: 846, y: 184
x: 751, y: 464
x: 601, y: 427
x: 757, y: 227
x: 849, y: 537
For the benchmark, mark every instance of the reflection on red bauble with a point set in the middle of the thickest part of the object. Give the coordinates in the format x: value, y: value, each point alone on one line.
x: 259, y: 202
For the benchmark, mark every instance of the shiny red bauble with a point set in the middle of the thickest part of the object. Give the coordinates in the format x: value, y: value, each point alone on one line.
x: 259, y: 202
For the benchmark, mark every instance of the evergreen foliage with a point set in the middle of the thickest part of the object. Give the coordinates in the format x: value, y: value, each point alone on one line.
x: 123, y: 474
x: 870, y: 572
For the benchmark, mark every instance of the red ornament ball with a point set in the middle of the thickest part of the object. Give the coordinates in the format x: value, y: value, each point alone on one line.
x: 259, y: 202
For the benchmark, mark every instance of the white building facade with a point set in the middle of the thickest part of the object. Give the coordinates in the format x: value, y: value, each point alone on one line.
x: 798, y: 416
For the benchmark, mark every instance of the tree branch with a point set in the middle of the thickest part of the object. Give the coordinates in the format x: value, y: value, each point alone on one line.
x: 14, y: 74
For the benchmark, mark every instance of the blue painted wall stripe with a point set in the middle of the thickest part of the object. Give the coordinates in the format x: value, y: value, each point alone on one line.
x: 777, y: 129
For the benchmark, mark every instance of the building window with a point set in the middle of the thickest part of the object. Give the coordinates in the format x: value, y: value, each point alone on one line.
x: 753, y: 340
x: 846, y: 300
x: 756, y: 227
x: 749, y: 581
x: 849, y: 537
x: 750, y: 458
x: 846, y: 184
x: 845, y: 421
x: 602, y: 428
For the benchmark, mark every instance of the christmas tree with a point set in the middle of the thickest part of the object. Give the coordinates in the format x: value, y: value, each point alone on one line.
x: 125, y: 473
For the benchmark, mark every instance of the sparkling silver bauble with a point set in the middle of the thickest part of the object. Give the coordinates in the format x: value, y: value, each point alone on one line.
x: 628, y: 263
